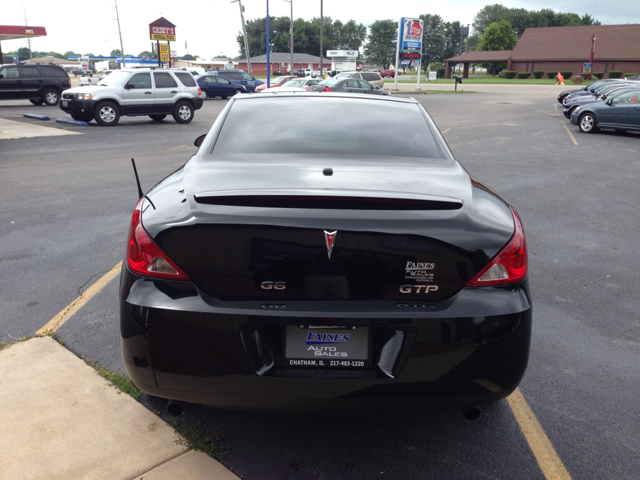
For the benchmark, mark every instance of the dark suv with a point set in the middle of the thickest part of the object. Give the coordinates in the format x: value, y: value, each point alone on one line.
x: 37, y: 83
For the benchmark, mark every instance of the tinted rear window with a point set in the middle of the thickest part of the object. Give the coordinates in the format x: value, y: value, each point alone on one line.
x: 164, y: 80
x: 231, y: 75
x: 53, y: 71
x: 338, y: 126
x: 371, y: 76
x: 30, y: 72
x: 186, y: 79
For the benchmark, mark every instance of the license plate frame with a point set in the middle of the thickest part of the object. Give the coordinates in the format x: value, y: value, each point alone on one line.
x: 320, y: 347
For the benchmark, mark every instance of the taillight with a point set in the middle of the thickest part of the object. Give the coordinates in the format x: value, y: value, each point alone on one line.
x: 199, y: 91
x: 144, y: 257
x: 326, y: 89
x: 69, y: 83
x: 306, y: 89
x: 509, y: 265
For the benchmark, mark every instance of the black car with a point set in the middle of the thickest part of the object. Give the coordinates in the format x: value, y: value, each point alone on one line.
x: 339, y: 261
x: 347, y: 85
x: 37, y: 83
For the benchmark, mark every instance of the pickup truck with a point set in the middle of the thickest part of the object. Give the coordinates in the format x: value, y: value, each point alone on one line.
x: 87, y: 80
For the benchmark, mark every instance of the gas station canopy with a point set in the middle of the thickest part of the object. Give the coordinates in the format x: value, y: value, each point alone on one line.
x: 12, y: 32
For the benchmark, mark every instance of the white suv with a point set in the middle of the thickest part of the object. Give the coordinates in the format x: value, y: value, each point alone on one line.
x: 155, y: 92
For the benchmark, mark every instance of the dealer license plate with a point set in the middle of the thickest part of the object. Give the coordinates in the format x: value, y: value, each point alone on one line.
x: 326, y: 347
x: 65, y: 103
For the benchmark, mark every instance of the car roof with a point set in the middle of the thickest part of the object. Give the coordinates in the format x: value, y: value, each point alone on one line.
x: 385, y: 98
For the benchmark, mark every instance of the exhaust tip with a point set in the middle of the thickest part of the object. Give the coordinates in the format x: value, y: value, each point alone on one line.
x: 471, y: 413
x: 174, y: 408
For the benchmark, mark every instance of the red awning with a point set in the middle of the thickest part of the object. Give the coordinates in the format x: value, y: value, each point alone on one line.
x: 11, y: 32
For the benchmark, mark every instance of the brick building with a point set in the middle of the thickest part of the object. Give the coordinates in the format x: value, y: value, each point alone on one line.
x: 565, y: 48
x: 280, y: 63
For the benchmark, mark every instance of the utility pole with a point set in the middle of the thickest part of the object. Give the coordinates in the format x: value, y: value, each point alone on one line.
x: 28, y: 39
x: 321, y: 37
x: 120, y: 34
x: 244, y: 34
x: 291, y: 34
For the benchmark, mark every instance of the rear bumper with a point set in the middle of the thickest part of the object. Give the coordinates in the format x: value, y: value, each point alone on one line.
x: 198, y: 102
x: 212, y: 355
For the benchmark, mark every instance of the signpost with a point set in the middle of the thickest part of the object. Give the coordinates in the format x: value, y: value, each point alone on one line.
x: 586, y: 69
x: 409, y: 45
x: 163, y: 29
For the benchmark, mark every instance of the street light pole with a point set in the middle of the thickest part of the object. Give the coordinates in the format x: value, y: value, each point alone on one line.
x: 244, y: 34
x: 321, y: 37
x: 268, y: 57
x: 291, y: 35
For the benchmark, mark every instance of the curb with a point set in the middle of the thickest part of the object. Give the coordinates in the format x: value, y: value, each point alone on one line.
x: 35, y: 115
x: 72, y: 122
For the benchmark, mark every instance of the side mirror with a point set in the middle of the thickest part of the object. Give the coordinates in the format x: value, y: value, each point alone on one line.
x: 129, y: 86
x: 609, y: 102
x: 199, y: 140
x: 1, y: 75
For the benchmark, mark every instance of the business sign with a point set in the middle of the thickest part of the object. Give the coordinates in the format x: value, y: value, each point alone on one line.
x: 405, y: 63
x: 342, y: 53
x: 432, y: 75
x: 411, y: 34
x: 162, y: 33
x: 164, y: 52
x: 409, y: 55
x: 586, y: 68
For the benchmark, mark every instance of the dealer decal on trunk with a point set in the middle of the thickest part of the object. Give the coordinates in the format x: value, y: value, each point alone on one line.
x: 419, y: 272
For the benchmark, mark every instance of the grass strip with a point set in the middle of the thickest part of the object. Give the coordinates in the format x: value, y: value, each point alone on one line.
x: 196, y: 437
x: 119, y: 380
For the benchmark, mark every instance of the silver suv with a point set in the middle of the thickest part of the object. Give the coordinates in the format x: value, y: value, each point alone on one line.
x: 373, y: 78
x: 154, y: 92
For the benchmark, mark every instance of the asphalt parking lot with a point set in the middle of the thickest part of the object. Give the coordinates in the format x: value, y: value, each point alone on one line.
x: 65, y: 206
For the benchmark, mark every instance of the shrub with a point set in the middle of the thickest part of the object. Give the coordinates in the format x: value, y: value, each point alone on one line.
x: 538, y: 73
x: 598, y: 75
x: 551, y: 74
x: 566, y: 74
x: 509, y: 74
x: 523, y: 75
x: 615, y: 74
x: 630, y: 74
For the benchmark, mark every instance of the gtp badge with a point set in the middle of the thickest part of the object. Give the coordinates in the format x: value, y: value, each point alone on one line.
x: 330, y: 238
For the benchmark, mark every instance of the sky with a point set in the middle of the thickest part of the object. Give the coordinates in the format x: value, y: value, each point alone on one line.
x: 210, y: 26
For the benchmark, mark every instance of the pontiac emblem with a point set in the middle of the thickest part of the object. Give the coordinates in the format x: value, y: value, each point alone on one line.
x: 330, y: 238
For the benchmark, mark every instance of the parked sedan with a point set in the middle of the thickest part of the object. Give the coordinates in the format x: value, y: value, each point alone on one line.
x: 619, y: 113
x: 275, y: 83
x: 596, y: 91
x: 347, y: 85
x: 293, y: 85
x: 334, y: 255
x: 608, y: 92
x: 388, y: 73
x: 586, y: 88
x: 215, y: 86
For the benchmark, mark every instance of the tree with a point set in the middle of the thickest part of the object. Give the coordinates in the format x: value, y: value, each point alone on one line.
x: 188, y: 56
x: 381, y: 45
x: 348, y: 36
x: 145, y: 53
x: 497, y: 36
x: 432, y: 40
x: 23, y: 53
x: 488, y: 15
x: 115, y: 53
x: 452, y: 41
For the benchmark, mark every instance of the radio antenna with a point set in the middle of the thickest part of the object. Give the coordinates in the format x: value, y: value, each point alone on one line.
x: 135, y: 171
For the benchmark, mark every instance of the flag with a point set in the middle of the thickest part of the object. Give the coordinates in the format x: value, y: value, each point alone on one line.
x: 185, y: 44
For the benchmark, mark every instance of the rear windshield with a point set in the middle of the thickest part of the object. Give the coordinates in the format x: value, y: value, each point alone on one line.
x: 338, y: 126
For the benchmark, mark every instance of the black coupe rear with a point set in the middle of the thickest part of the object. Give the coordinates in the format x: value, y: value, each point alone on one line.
x: 342, y: 260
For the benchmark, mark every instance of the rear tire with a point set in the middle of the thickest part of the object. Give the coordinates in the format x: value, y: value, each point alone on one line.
x: 107, y: 114
x: 224, y: 97
x: 183, y: 113
x: 203, y: 94
x: 157, y: 118
x: 587, y: 123
x: 51, y: 97
x: 36, y: 101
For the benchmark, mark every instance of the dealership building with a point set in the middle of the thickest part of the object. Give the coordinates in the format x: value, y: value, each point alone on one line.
x: 553, y: 49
